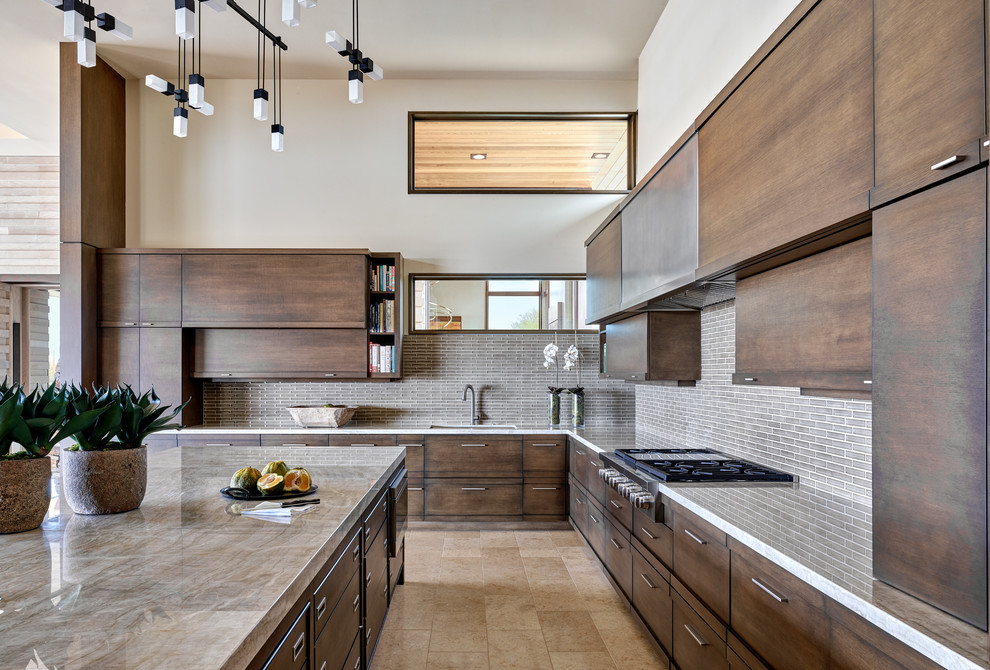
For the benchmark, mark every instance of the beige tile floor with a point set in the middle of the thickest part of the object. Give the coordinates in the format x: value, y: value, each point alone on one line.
x: 495, y: 599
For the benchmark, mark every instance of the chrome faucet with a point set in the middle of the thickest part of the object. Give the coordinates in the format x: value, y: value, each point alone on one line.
x: 474, y: 415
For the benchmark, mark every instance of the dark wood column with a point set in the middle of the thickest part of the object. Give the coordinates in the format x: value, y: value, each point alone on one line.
x: 92, y: 117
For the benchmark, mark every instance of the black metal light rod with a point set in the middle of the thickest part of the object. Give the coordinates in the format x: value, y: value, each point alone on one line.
x: 277, y: 41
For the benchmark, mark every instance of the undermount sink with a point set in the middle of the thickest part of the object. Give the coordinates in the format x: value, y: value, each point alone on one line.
x: 477, y: 426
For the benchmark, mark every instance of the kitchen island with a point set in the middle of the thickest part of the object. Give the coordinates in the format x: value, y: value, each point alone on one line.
x: 183, y: 581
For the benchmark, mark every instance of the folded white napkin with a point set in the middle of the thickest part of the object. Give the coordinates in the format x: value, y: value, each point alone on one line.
x: 274, y: 511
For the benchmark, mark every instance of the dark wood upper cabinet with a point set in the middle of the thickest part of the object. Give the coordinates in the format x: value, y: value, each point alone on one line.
x: 119, y: 355
x: 604, y: 272
x: 273, y: 290
x: 139, y: 290
x: 654, y: 346
x: 788, y: 156
x: 808, y: 323
x: 284, y: 353
x: 660, y: 230
x: 930, y: 396
x: 119, y: 294
x: 161, y: 297
x: 930, y: 92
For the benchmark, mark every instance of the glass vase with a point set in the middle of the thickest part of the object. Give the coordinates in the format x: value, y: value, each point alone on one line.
x: 553, y: 409
x: 577, y: 410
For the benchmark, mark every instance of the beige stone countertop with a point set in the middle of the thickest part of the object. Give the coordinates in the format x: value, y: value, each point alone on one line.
x: 181, y: 582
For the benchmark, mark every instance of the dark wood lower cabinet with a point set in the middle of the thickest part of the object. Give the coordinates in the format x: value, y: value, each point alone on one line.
x: 695, y: 643
x: 701, y: 560
x: 596, y: 528
x: 473, y: 497
x: 353, y: 661
x: 544, y: 499
x: 651, y: 598
x: 618, y: 555
x: 376, y: 601
x: 336, y: 638
x: 293, y: 651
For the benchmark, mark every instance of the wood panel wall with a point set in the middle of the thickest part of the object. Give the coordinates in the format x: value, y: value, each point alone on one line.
x: 29, y: 215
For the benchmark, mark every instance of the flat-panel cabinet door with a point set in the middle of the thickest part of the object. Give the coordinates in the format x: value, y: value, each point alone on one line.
x: 119, y: 289
x: 930, y: 92
x: 788, y: 154
x: 930, y: 396
x: 302, y: 353
x: 119, y: 355
x: 626, y: 349
x: 161, y: 364
x: 604, y: 272
x: 660, y: 230
x: 161, y: 286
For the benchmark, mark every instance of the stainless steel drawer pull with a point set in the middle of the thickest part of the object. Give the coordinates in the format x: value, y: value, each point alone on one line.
x: 147, y: 324
x: 299, y: 646
x: 295, y: 444
x: 473, y: 488
x: 615, y: 544
x: 951, y: 160
x: 367, y: 580
x: 323, y: 666
x: 321, y: 607
x: 579, y: 452
x: 329, y: 374
x: 750, y: 379
x: 367, y: 636
x: 779, y: 599
x: 614, y: 504
x: 702, y: 642
x: 648, y: 582
x: 358, y: 664
x: 474, y: 445
x: 546, y: 445
x: 544, y: 488
x: 578, y: 501
x: 218, y: 444
x: 986, y: 143
x: 867, y: 381
x: 130, y: 323
x: 415, y: 488
x: 357, y: 601
x: 410, y: 445
x: 357, y: 551
x: 225, y: 374
x: 648, y: 533
x: 369, y: 444
x: 385, y: 591
x: 592, y: 517
x: 694, y: 537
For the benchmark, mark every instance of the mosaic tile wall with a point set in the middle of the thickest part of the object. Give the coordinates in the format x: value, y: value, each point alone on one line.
x: 826, y: 442
x: 505, y: 370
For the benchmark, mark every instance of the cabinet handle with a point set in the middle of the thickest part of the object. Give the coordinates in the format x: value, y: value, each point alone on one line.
x: 648, y: 533
x: 750, y: 379
x: 130, y: 323
x: 357, y: 601
x: 410, y: 445
x: 367, y: 636
x: 544, y: 488
x: 218, y: 444
x: 648, y: 582
x: 357, y: 551
x: 385, y: 591
x: 224, y: 374
x: 615, y: 544
x: 614, y: 504
x: 779, y: 599
x: 330, y: 374
x: 369, y: 444
x: 545, y: 445
x: 323, y: 666
x: 702, y: 642
x: 951, y: 160
x: 694, y: 537
x: 867, y: 381
x: 473, y: 488
x: 986, y: 143
x: 367, y: 532
x: 358, y: 664
x: 578, y: 501
x: 474, y: 445
x: 592, y: 517
x: 415, y: 488
x: 321, y: 607
x: 147, y: 324
x: 298, y: 647
x: 367, y: 580
x: 295, y: 444
x: 578, y: 452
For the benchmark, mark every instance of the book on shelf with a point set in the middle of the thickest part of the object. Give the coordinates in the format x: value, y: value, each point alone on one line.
x: 383, y: 316
x: 383, y: 278
x: 381, y: 358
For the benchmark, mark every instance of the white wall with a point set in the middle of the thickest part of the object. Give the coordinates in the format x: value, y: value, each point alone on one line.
x: 695, y: 49
x: 342, y: 182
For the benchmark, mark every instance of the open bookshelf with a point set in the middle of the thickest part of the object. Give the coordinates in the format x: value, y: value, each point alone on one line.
x: 385, y: 316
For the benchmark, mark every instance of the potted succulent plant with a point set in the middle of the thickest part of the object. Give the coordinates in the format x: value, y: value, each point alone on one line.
x: 106, y: 471
x: 30, y: 426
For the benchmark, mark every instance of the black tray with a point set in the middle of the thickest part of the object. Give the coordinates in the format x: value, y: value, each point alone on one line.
x: 227, y: 490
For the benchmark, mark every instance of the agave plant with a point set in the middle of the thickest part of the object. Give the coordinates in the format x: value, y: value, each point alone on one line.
x: 143, y: 416
x: 11, y: 405
x: 38, y: 421
x: 102, y: 433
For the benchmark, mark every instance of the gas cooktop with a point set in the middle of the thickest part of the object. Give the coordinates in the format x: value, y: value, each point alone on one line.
x: 698, y: 465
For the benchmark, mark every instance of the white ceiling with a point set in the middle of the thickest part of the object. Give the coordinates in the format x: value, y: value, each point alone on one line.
x: 410, y: 39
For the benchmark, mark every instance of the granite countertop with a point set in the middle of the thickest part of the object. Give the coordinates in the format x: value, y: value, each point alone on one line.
x: 180, y: 582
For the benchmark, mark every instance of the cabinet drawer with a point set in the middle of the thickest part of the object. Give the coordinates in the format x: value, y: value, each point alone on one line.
x: 475, y: 455
x: 376, y: 560
x: 657, y: 537
x: 579, y: 509
x: 417, y: 490
x: 293, y: 651
x: 414, y: 452
x: 472, y: 497
x: 701, y: 560
x: 377, y: 608
x: 781, y: 617
x: 544, y: 497
x: 374, y: 519
x: 293, y: 440
x: 618, y: 555
x: 396, y: 565
x: 596, y: 528
x: 219, y: 440
x: 353, y: 661
x: 619, y: 507
x: 695, y: 644
x: 579, y: 461
x: 742, y: 658
x: 362, y: 440
x: 593, y: 482
x: 544, y: 454
x: 330, y: 590
x: 341, y: 631
x: 651, y: 598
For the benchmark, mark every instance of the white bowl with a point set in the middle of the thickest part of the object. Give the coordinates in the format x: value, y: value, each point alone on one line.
x: 317, y: 416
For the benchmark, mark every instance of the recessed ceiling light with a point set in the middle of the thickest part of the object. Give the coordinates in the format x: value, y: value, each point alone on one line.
x: 599, y: 154
x: 479, y: 157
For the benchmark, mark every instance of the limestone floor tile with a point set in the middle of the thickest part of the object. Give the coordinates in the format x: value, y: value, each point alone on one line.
x: 570, y: 631
x: 426, y: 539
x: 510, y: 612
x: 557, y: 596
x: 498, y: 538
x: 565, y: 538
x: 580, y: 660
x: 465, y: 548
x: 462, y: 534
x: 460, y: 598
x: 412, y: 607
x: 401, y: 649
x: 445, y: 639
x: 457, y: 661
x: 545, y: 569
x: 518, y: 650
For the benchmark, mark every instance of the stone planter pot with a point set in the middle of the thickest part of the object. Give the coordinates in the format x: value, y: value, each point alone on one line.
x: 24, y: 493
x: 104, y: 482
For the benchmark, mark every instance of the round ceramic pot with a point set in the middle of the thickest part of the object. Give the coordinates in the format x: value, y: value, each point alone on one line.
x: 104, y: 482
x: 25, y: 492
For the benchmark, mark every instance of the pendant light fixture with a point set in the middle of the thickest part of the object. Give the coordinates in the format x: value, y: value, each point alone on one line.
x: 360, y: 64
x: 278, y: 131
x: 77, y: 23
x: 260, y: 94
